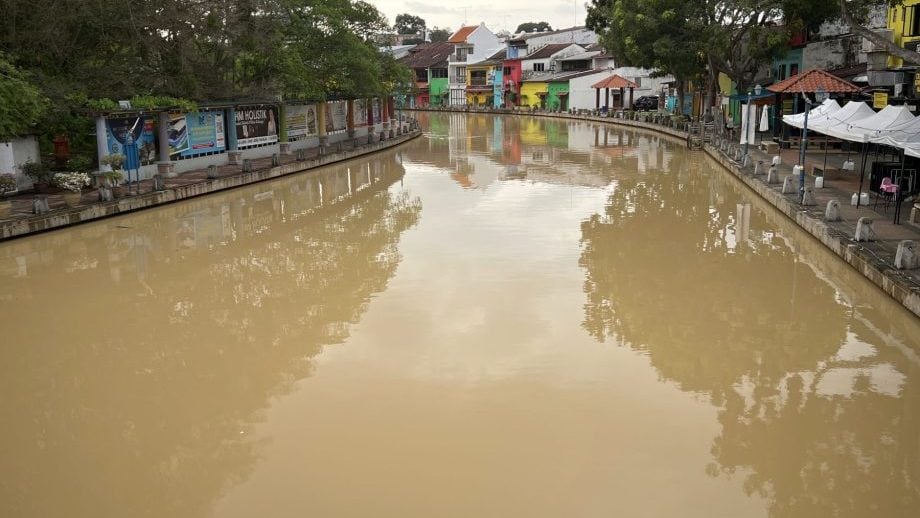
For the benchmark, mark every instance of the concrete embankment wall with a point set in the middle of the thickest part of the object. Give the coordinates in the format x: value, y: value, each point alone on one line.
x: 82, y: 214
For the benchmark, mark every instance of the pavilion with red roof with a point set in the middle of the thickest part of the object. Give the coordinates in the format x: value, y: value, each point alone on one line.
x: 617, y: 83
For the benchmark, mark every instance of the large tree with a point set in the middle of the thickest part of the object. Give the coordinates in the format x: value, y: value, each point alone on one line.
x: 21, y: 103
x: 533, y: 27
x: 438, y: 34
x: 409, y: 24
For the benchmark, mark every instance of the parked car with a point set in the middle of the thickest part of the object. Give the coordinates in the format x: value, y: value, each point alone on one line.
x: 646, y: 102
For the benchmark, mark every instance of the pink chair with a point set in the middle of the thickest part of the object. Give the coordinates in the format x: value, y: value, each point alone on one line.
x: 889, y: 189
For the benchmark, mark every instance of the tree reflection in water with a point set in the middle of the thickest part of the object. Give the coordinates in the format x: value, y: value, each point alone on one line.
x: 817, y: 411
x: 173, y: 330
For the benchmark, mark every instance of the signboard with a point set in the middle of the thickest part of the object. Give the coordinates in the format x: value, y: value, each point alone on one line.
x: 376, y: 108
x: 144, y: 131
x: 360, y: 112
x: 336, y: 116
x: 301, y: 121
x: 196, y: 133
x: 879, y: 99
x: 256, y: 125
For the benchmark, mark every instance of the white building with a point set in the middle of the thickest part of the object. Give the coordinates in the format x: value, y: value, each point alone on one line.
x: 523, y: 44
x: 472, y: 44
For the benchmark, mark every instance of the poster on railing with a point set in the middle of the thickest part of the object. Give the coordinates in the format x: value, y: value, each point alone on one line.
x: 144, y: 131
x: 256, y: 125
x: 196, y: 133
x: 301, y: 120
x: 376, y: 109
x: 339, y: 115
x: 296, y: 118
x: 360, y: 112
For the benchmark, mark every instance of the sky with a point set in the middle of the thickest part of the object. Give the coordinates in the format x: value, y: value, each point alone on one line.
x: 497, y: 16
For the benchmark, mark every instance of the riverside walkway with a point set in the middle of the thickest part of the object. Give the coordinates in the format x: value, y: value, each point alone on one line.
x: 22, y: 221
x: 874, y: 259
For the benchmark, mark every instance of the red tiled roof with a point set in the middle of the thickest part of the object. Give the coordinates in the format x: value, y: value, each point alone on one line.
x: 813, y: 81
x: 615, y: 81
x: 462, y: 34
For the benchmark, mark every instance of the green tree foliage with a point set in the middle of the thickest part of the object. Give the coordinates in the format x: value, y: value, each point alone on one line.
x: 736, y: 37
x: 21, y: 103
x: 533, y: 27
x: 202, y: 50
x: 409, y: 24
x: 437, y: 34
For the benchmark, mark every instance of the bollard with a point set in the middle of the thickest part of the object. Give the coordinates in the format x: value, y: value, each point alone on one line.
x: 276, y: 159
x: 746, y: 160
x: 40, y: 205
x: 864, y: 230
x: 772, y: 176
x: 789, y: 185
x: 301, y: 155
x: 158, y: 183
x: 819, y: 182
x: 906, y: 257
x: 915, y: 214
x: 212, y: 172
x: 247, y: 165
x: 757, y: 166
x: 808, y: 197
x: 105, y: 194
x: 832, y: 212
x: 777, y: 160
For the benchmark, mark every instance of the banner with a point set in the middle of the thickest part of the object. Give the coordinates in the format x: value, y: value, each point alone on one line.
x: 301, y: 120
x: 376, y: 103
x: 142, y: 129
x: 360, y: 112
x: 196, y: 133
x: 256, y: 125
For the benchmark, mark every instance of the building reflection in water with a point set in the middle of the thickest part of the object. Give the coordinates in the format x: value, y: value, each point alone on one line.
x: 171, y: 330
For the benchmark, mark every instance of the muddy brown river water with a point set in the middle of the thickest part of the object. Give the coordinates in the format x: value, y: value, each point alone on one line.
x: 505, y: 317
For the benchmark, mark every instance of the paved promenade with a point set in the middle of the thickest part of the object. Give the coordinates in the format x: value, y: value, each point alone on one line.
x: 22, y: 222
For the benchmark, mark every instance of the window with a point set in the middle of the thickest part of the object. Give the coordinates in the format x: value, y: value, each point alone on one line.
x: 781, y: 72
x: 460, y: 75
x: 421, y: 75
x: 569, y: 66
x: 439, y: 73
x: 793, y: 69
x: 507, y: 71
x: 912, y: 20
x: 538, y: 67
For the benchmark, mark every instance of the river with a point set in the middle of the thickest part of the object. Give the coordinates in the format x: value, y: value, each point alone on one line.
x: 507, y: 316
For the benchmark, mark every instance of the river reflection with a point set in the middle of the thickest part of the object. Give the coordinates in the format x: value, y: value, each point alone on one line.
x: 139, y: 351
x: 584, y: 320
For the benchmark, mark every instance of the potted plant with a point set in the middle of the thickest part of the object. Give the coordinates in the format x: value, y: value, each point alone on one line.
x: 39, y: 173
x: 7, y: 185
x: 72, y: 183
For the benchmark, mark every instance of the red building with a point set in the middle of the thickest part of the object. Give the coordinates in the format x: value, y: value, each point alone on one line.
x: 511, y: 81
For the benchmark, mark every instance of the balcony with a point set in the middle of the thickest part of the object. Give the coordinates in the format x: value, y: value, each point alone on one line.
x: 480, y: 81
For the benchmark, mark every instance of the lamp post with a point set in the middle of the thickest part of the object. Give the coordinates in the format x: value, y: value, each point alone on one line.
x: 802, y: 148
x: 747, y: 118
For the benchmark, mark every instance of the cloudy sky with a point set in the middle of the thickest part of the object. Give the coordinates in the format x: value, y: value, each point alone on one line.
x: 496, y: 15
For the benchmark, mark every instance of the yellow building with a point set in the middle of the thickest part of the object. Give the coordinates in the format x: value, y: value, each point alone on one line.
x: 904, y: 23
x: 533, y: 93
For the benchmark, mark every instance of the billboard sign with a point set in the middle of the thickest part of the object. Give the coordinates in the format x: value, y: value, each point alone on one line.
x: 256, y: 125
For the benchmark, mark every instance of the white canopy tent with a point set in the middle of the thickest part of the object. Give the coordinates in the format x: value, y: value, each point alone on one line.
x: 905, y: 136
x: 817, y: 115
x: 877, y: 125
x: 837, y: 124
